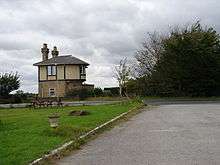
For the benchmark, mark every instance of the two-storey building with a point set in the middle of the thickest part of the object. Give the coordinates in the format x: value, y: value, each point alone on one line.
x: 60, y: 74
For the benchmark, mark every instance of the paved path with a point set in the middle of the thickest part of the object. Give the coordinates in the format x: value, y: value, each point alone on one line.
x: 187, y: 134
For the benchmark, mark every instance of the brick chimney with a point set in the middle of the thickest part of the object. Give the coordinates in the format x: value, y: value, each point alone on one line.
x: 55, y: 52
x: 45, y: 52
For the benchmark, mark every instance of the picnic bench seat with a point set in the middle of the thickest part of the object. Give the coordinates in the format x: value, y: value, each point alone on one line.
x: 41, y: 102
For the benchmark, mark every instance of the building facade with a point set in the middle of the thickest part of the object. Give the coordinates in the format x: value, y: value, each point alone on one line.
x: 59, y: 75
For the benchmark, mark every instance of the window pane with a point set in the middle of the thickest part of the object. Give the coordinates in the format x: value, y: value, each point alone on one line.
x: 82, y: 70
x: 52, y: 92
x: 49, y: 70
x: 53, y: 70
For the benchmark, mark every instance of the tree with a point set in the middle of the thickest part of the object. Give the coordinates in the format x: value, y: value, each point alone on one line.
x: 188, y: 63
x: 122, y: 74
x: 149, y: 54
x: 140, y: 86
x: 8, y: 83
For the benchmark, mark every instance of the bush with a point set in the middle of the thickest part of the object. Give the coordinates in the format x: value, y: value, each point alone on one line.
x: 18, y: 97
x: 82, y: 93
x: 20, y: 94
x: 113, y: 91
x: 108, y: 93
x: 98, y: 92
x: 11, y: 99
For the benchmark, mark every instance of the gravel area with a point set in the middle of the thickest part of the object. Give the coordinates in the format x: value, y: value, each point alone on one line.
x: 178, y: 134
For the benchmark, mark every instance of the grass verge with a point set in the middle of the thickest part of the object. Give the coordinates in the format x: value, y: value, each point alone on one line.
x: 79, y: 142
x: 25, y: 134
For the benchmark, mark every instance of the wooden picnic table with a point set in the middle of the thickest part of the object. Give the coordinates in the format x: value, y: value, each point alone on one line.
x: 38, y: 102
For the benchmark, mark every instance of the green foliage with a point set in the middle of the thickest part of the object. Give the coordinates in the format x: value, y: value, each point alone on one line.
x: 189, y: 64
x: 98, y: 92
x: 8, y: 83
x: 140, y: 86
x: 112, y: 91
x: 21, y: 94
x: 18, y: 97
x: 10, y: 100
x: 81, y: 93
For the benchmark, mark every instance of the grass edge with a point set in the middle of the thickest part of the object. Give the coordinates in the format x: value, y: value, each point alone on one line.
x: 71, y: 146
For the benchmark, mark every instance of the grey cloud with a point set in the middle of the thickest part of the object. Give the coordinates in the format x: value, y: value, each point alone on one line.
x: 100, y: 32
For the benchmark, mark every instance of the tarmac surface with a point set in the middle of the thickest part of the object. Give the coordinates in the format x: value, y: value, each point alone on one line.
x: 169, y: 134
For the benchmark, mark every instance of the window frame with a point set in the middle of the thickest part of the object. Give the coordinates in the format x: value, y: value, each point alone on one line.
x: 82, y: 70
x: 51, y: 70
x: 52, y: 90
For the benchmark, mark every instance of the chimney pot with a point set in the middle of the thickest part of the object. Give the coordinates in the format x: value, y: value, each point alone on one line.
x: 45, y: 52
x: 55, y: 52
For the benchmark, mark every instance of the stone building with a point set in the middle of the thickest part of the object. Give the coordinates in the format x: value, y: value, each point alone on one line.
x: 59, y: 75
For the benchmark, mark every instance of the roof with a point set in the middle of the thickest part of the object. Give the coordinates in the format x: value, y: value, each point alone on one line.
x: 62, y: 60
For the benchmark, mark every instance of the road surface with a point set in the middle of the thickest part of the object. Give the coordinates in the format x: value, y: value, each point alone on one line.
x: 178, y: 134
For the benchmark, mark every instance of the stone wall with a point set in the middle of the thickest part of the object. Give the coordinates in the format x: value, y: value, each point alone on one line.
x: 59, y: 87
x: 42, y: 72
x: 73, y: 85
x: 71, y: 72
x: 60, y: 72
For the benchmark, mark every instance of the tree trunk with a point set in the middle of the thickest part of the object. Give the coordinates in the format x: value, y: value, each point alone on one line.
x: 120, y: 90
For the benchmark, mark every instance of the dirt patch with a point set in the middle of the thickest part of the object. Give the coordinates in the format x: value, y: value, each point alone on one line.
x: 79, y: 113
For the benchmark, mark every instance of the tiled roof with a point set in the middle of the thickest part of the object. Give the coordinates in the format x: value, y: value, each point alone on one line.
x: 61, y: 60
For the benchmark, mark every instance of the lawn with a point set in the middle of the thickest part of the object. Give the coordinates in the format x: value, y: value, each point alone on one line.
x: 26, y: 135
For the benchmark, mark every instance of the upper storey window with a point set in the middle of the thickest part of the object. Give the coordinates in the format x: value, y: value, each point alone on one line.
x: 82, y: 70
x: 51, y: 70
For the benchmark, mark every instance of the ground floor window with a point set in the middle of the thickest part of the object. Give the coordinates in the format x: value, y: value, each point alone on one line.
x: 52, y: 92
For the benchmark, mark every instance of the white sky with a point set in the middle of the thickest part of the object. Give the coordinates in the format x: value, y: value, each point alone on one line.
x: 100, y: 32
